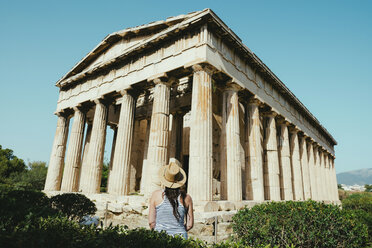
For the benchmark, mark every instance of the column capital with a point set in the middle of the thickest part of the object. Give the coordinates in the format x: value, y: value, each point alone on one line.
x: 254, y: 101
x: 232, y: 86
x: 130, y: 91
x: 293, y: 129
x: 124, y: 91
x: 62, y: 113
x: 102, y: 100
x: 204, y: 67
x: 80, y: 107
x: 158, y: 77
x: 179, y: 112
x: 282, y: 120
x: 310, y: 140
x: 270, y: 113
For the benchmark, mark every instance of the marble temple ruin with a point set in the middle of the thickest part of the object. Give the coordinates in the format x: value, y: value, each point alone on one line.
x: 187, y: 88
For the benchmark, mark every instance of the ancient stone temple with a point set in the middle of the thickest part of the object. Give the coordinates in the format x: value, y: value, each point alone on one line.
x: 187, y: 88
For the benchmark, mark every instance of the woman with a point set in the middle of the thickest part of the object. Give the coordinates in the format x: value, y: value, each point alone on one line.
x: 171, y: 209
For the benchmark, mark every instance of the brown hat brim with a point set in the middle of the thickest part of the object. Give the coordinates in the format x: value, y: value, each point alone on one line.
x: 172, y: 185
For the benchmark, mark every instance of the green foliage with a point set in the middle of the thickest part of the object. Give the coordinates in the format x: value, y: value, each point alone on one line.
x: 368, y: 188
x: 31, y: 179
x: 13, y: 172
x: 339, y: 186
x: 104, y: 178
x: 9, y: 164
x: 361, y: 204
x: 301, y: 224
x: 20, y: 206
x: 73, y: 206
x: 61, y: 232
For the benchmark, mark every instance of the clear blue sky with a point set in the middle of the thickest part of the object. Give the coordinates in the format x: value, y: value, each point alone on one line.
x: 322, y: 50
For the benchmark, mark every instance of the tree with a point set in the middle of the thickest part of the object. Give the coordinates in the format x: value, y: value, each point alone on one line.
x: 33, y: 178
x: 9, y: 164
x: 104, y: 178
x: 368, y: 188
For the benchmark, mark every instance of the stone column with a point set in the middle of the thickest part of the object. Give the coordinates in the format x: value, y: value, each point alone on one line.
x: 322, y: 175
x: 55, y: 168
x: 233, y: 146
x: 271, y: 169
x: 285, y: 161
x: 144, y: 179
x: 159, y: 131
x: 296, y: 165
x: 84, y: 163
x: 92, y: 179
x: 317, y: 172
x: 175, y: 147
x: 312, y: 173
x: 138, y: 144
x: 335, y: 184
x: 254, y: 152
x: 305, y: 168
x: 135, y: 155
x: 119, y: 178
x: 327, y: 176
x: 201, y: 140
x: 115, y: 129
x: 70, y: 180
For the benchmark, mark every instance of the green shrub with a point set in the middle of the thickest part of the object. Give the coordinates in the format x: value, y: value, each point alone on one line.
x: 361, y: 204
x: 74, y: 206
x: 301, y: 224
x: 18, y: 206
x: 61, y: 232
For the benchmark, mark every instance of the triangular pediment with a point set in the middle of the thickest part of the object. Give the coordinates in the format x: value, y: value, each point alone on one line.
x: 117, y: 43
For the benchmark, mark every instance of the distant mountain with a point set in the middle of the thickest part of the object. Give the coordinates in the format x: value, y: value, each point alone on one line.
x: 360, y: 177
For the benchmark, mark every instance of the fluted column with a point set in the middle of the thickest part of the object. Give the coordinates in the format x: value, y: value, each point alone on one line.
x: 138, y: 139
x: 92, y: 180
x: 327, y: 175
x: 70, y: 180
x: 233, y: 147
x: 201, y: 140
x: 305, y: 168
x: 84, y: 163
x: 119, y: 178
x: 285, y: 161
x: 144, y: 178
x: 115, y: 129
x: 159, y: 131
x: 312, y: 173
x: 335, y: 184
x: 55, y: 167
x: 254, y: 163
x: 175, y: 146
x: 317, y: 172
x: 271, y: 169
x: 322, y: 175
x: 296, y: 165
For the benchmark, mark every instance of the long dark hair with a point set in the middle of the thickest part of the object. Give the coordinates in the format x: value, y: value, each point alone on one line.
x: 172, y: 195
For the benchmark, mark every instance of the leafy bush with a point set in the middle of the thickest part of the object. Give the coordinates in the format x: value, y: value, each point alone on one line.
x: 31, y: 179
x: 361, y: 204
x: 61, y: 232
x: 301, y: 224
x: 9, y: 164
x: 22, y: 206
x: 74, y: 206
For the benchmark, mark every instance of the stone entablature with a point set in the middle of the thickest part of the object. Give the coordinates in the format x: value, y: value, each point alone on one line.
x: 248, y: 137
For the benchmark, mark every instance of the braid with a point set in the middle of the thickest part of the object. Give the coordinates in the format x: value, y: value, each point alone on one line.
x: 172, y: 195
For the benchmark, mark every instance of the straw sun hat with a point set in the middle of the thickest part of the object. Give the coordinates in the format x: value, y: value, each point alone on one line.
x: 172, y: 175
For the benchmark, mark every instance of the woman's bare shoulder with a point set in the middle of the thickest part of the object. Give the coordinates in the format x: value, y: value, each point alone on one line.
x: 157, y: 192
x: 188, y: 198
